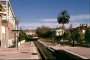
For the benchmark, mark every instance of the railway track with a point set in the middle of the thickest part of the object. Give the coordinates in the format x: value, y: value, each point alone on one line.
x: 50, y: 54
x: 44, y: 51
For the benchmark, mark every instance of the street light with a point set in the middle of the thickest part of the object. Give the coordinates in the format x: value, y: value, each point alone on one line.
x: 16, y: 32
x: 16, y: 39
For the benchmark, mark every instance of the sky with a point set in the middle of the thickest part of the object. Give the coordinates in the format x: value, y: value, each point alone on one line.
x: 35, y: 13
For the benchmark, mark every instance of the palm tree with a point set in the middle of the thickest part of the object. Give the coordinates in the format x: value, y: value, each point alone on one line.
x: 63, y: 18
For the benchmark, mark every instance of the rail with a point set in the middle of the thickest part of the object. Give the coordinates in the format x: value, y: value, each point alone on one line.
x: 48, y: 53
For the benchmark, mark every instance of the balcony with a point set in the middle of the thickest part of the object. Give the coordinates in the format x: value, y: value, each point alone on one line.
x: 7, y: 24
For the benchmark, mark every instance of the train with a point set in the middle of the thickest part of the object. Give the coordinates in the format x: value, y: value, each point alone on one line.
x: 33, y: 37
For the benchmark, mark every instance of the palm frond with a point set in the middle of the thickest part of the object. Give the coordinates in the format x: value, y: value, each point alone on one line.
x: 63, y: 17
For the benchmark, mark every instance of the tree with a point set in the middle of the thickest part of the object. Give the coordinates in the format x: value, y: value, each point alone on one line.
x: 69, y: 34
x: 80, y: 35
x: 44, y: 32
x: 87, y: 35
x: 22, y: 35
x: 74, y: 36
x: 63, y: 18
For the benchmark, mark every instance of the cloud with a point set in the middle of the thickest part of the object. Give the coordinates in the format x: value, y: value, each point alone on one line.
x: 75, y: 20
x: 72, y: 17
x: 48, y: 20
x: 36, y: 24
x: 51, y: 25
x: 80, y: 17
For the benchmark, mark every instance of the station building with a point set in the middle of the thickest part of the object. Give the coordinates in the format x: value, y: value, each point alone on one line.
x: 7, y: 24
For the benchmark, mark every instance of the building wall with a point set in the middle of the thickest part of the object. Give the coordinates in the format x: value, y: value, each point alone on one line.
x: 3, y: 37
x: 0, y: 31
x: 59, y: 32
x: 6, y: 28
x: 0, y: 28
x: 0, y: 19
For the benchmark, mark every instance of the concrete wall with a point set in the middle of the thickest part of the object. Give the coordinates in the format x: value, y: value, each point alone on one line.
x: 0, y: 29
x: 3, y: 37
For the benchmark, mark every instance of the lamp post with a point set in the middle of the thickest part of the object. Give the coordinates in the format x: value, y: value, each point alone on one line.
x: 16, y: 32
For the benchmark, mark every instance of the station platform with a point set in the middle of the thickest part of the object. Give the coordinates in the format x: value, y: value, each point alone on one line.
x: 26, y: 51
x: 82, y: 52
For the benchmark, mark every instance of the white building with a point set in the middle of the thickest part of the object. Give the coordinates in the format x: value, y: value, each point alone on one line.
x: 59, y: 31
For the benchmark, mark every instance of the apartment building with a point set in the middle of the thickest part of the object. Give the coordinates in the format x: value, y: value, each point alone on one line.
x: 7, y: 24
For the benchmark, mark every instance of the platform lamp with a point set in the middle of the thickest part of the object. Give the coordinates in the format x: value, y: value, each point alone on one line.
x: 16, y: 32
